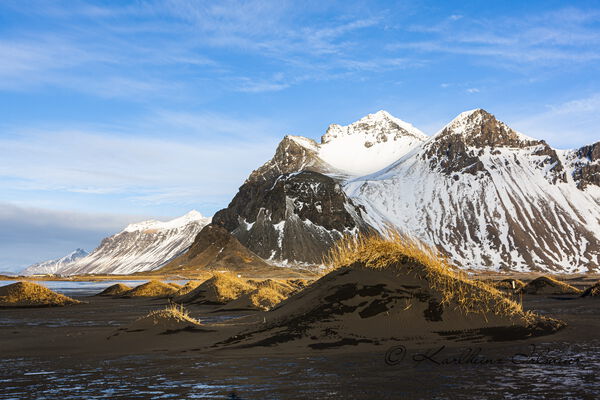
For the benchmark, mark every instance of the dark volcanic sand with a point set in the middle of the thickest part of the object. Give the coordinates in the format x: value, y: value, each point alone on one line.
x: 64, y: 353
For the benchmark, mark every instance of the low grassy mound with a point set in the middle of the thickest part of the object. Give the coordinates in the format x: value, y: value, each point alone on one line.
x: 172, y: 318
x: 509, y: 284
x: 153, y: 288
x: 268, y: 294
x: 592, y: 291
x: 549, y: 286
x: 392, y: 289
x: 29, y: 294
x: 117, y: 289
x: 175, y: 285
x: 221, y: 288
x: 185, y: 289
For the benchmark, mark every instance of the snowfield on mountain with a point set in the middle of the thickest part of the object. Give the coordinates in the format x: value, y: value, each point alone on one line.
x: 484, y: 194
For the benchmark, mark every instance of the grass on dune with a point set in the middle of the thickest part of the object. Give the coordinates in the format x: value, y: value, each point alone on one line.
x: 171, y: 313
x: 224, y: 287
x: 152, y: 288
x: 32, y: 294
x: 396, y: 250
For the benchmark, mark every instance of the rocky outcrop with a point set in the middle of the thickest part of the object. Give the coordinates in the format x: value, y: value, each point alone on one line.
x: 586, y: 166
x: 461, y: 145
x: 294, y: 217
x: 215, y: 249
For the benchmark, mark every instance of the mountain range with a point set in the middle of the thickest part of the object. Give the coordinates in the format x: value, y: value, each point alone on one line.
x: 485, y: 195
x: 143, y: 246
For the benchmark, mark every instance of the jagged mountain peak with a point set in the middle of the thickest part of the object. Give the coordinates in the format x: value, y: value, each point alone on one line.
x: 375, y: 128
x: 293, y: 153
x: 479, y: 128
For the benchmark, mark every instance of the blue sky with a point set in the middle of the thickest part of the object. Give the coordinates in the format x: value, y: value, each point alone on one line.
x: 115, y: 111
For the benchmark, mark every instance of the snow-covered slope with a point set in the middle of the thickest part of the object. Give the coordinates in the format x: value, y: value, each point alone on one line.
x: 292, y: 208
x: 142, y: 246
x: 490, y: 197
x: 369, y: 144
x: 53, y: 266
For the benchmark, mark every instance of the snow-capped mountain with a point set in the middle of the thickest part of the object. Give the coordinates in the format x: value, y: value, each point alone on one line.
x: 142, y: 246
x: 486, y: 195
x: 53, y: 266
x: 293, y: 208
x: 491, y: 197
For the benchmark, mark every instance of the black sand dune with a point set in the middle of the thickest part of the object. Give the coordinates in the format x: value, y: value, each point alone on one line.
x: 549, y: 286
x: 393, y: 295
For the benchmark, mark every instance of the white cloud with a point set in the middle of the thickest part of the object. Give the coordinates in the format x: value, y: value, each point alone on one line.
x: 571, y: 124
x: 29, y: 234
x: 207, y: 155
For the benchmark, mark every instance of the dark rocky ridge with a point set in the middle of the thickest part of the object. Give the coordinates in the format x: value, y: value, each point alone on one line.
x: 587, y: 167
x: 457, y: 150
x: 295, y: 216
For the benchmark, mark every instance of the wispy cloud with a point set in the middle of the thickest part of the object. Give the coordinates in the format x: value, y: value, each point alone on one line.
x: 536, y: 40
x: 566, y: 125
x: 205, y: 159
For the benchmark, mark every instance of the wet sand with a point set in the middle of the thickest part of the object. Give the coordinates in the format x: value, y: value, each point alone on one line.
x: 72, y: 352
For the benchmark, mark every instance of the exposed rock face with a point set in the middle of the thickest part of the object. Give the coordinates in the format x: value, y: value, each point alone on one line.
x: 214, y: 248
x: 294, y: 153
x: 461, y: 145
x: 294, y: 217
x: 586, y: 165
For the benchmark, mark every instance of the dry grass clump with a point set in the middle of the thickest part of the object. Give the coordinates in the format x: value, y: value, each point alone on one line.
x: 224, y: 287
x: 549, y: 285
x: 172, y: 317
x: 592, y: 291
x: 395, y: 250
x: 265, y: 298
x: 152, y: 288
x: 29, y: 294
x: 115, y: 290
x: 185, y: 289
x: 266, y: 295
x: 221, y: 288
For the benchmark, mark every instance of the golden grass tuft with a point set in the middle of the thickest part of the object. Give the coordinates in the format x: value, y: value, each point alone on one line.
x: 152, y: 288
x: 173, y: 316
x: 395, y: 250
x: 265, y: 298
x: 223, y: 287
x: 29, y: 294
